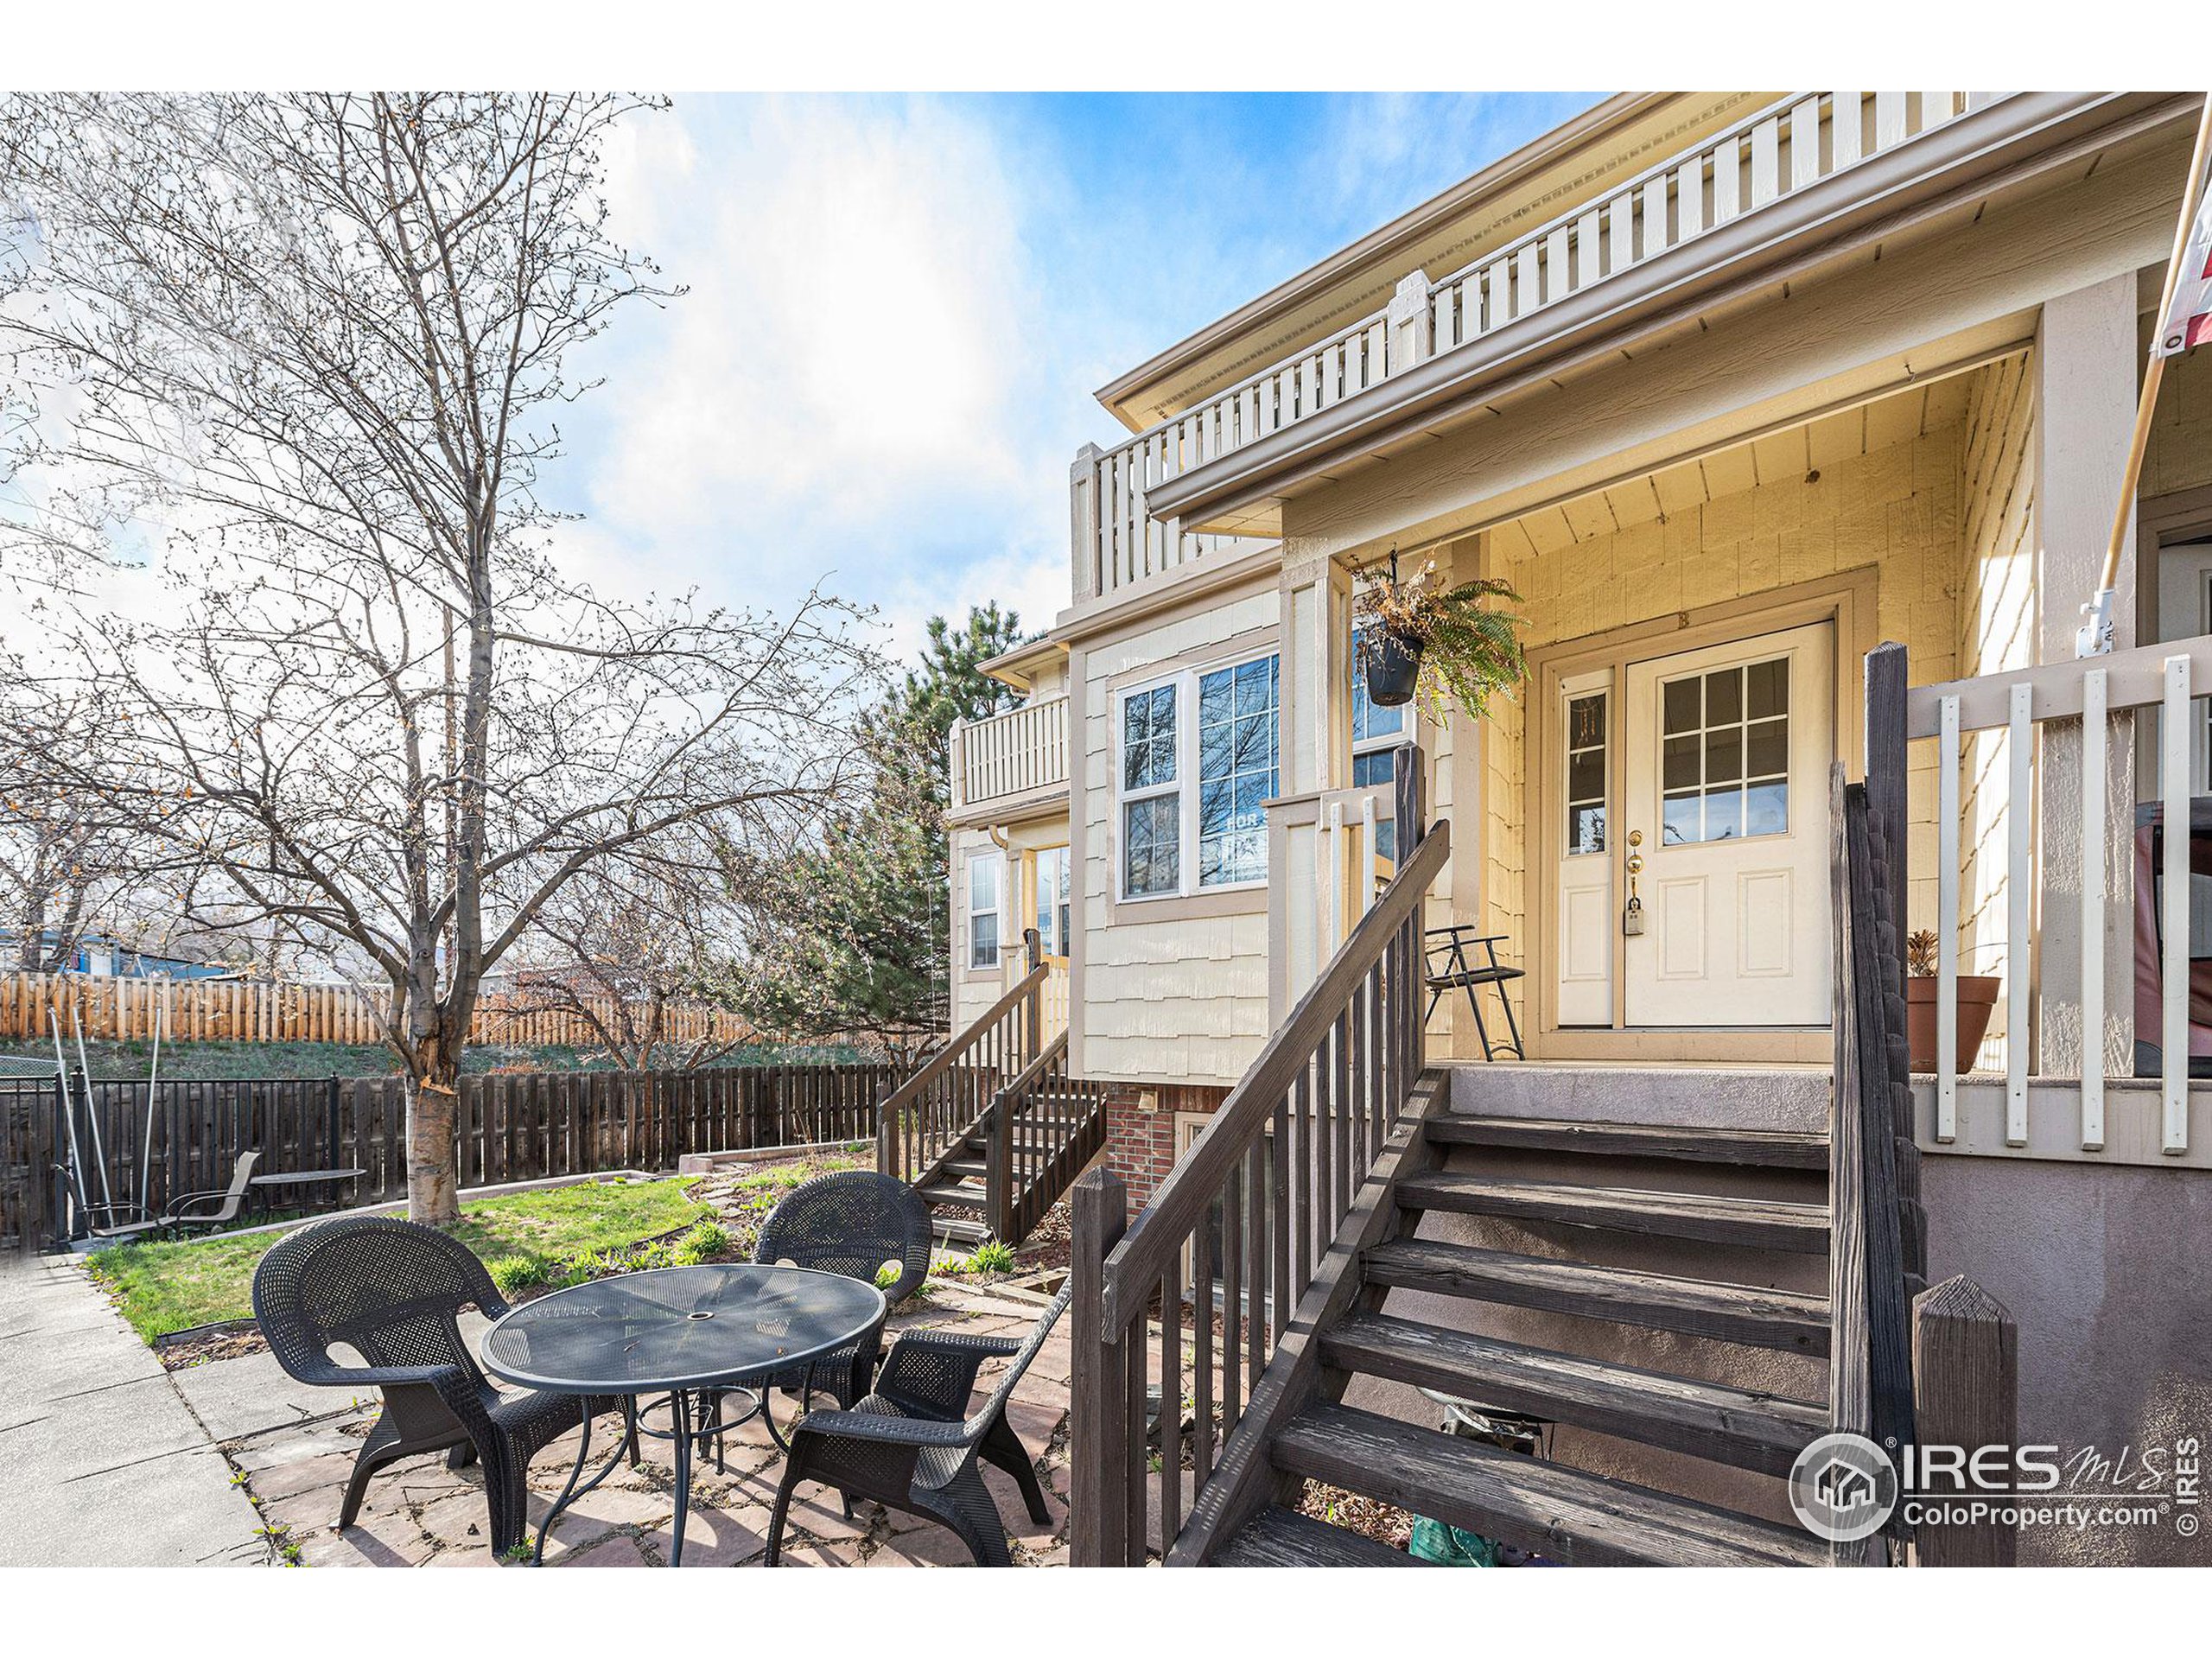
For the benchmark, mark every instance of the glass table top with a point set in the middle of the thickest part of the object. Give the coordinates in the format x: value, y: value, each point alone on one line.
x: 678, y: 1328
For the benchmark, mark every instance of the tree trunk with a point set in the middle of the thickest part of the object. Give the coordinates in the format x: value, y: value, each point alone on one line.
x: 433, y: 1174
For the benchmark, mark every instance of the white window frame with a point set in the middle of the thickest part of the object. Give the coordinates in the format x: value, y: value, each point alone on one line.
x: 997, y: 864
x: 1185, y: 784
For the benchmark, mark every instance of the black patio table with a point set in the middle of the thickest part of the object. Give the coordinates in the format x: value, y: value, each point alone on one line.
x: 679, y: 1332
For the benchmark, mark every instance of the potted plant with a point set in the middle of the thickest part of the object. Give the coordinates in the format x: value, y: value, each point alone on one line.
x: 1977, y: 1001
x: 1452, y: 646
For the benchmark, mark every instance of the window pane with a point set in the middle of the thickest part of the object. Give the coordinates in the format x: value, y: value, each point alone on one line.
x: 1769, y: 689
x: 1150, y: 850
x: 1724, y: 697
x: 1724, y: 755
x: 1766, y: 751
x: 1149, y: 738
x: 1215, y: 758
x: 1585, y: 775
x: 982, y: 941
x: 1587, y: 829
x: 1681, y: 698
x: 1375, y: 767
x: 1238, y: 740
x: 1680, y: 766
x: 983, y: 883
x: 1766, y: 810
x: 1586, y: 722
x: 1724, y: 814
x: 1681, y: 823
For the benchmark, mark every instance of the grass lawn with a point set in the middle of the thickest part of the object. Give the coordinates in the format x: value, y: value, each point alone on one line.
x: 524, y: 1238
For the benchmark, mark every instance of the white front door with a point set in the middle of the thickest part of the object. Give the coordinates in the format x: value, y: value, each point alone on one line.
x: 1727, y: 758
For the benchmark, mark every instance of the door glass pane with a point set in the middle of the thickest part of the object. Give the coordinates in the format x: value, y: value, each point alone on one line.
x: 1722, y: 730
x: 1681, y: 823
x: 1680, y: 701
x: 1585, y: 774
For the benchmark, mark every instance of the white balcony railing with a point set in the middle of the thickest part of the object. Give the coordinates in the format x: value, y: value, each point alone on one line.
x: 1782, y: 149
x: 2042, y: 904
x: 1023, y: 751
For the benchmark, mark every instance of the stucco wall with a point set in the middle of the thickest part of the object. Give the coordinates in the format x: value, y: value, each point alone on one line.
x: 2106, y: 1273
x: 1896, y: 508
x: 1166, y: 998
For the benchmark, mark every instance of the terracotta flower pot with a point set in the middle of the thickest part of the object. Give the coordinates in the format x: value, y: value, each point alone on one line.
x: 1393, y: 663
x: 1977, y: 1000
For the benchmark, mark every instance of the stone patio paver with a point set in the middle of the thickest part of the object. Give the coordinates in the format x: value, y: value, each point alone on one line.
x: 420, y: 1513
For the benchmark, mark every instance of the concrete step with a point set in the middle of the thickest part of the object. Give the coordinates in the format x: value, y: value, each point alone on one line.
x: 1787, y: 1098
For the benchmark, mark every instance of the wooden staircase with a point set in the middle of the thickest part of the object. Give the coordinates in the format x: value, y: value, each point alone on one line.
x: 993, y: 1126
x: 1618, y: 1193
x: 1684, y: 1308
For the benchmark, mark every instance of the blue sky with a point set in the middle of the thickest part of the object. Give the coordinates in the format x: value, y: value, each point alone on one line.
x: 899, y: 309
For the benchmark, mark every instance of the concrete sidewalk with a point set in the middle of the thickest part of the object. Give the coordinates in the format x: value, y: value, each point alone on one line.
x: 102, y: 1463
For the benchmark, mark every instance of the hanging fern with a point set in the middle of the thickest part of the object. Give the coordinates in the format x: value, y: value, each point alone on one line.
x: 1470, y: 649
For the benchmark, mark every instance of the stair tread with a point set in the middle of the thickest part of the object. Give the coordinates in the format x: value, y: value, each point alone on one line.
x: 1793, y: 1321
x: 1280, y: 1537
x: 1770, y: 1223
x: 966, y: 1194
x: 975, y: 1167
x: 1564, y: 1513
x: 1774, y: 1148
x: 1708, y: 1419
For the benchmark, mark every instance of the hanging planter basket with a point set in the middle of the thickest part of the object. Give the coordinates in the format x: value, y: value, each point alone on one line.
x: 1392, y: 667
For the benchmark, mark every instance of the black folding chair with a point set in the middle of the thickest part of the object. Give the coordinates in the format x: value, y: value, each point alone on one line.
x: 1451, y: 966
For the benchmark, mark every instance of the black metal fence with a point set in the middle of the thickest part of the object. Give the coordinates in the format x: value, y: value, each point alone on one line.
x: 513, y: 1126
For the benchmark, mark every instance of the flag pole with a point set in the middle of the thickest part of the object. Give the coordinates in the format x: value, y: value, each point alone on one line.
x: 2094, y: 638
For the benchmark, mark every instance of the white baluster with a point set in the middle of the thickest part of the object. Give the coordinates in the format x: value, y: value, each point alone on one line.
x: 2094, y: 783
x: 1947, y: 922
x: 2173, y: 966
x: 2020, y: 892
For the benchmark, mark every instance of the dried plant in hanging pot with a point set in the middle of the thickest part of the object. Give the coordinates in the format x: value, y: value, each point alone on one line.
x: 1451, y: 647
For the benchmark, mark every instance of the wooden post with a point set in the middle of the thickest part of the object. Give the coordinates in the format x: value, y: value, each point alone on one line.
x: 1966, y: 1378
x: 1032, y: 948
x: 1886, y: 768
x: 998, y: 1168
x: 1098, y: 1414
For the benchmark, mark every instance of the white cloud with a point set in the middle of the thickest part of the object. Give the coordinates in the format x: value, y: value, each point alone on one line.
x: 852, y: 359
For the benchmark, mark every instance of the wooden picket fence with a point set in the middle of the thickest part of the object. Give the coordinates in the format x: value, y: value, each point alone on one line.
x: 513, y: 1127
x: 270, y: 1011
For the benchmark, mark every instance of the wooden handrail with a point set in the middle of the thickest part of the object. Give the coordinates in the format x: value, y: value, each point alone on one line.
x: 1180, y: 1204
x: 950, y: 1055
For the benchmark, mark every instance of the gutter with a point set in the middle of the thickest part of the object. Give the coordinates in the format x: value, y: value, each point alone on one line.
x: 1972, y: 150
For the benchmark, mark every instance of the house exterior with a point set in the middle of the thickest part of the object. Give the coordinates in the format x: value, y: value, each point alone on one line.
x: 1731, y: 387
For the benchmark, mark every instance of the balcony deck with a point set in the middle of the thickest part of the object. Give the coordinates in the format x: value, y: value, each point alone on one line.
x: 1017, y: 758
x: 1777, y: 152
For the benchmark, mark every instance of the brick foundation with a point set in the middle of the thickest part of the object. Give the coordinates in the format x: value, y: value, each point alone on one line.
x: 1140, y: 1144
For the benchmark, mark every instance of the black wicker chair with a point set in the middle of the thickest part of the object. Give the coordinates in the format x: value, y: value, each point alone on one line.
x: 908, y: 1445
x: 855, y: 1223
x: 392, y: 1291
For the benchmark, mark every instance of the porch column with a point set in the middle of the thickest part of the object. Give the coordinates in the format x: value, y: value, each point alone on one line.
x: 1316, y: 739
x: 2086, y: 360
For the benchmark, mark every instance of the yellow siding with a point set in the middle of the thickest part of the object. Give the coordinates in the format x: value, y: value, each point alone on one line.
x: 1896, y: 507
x: 1182, y: 1000
x: 1997, y: 632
